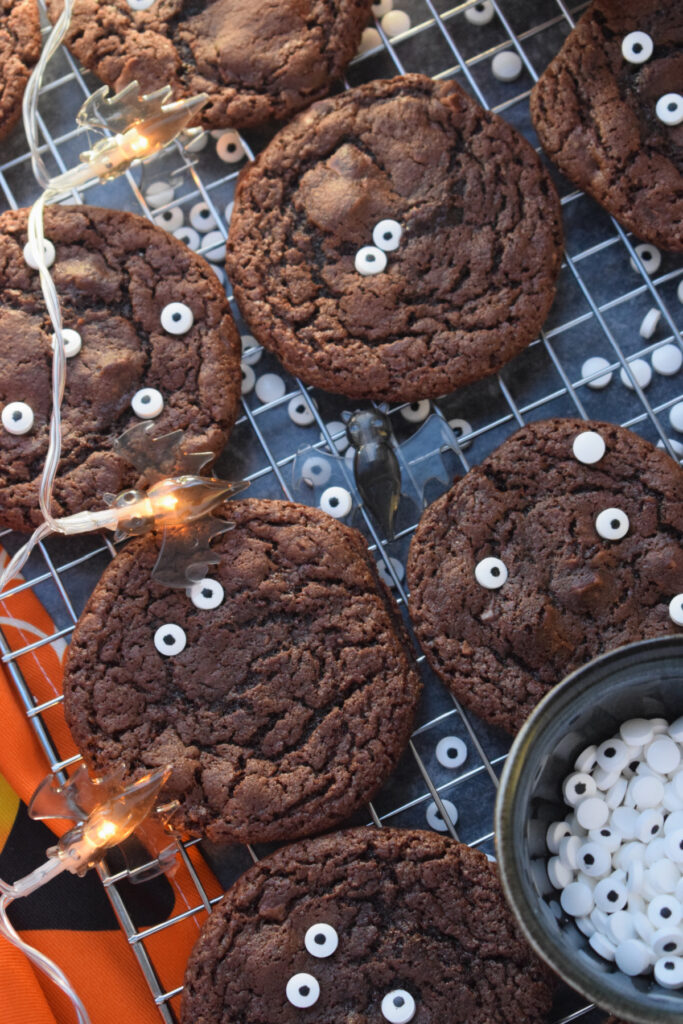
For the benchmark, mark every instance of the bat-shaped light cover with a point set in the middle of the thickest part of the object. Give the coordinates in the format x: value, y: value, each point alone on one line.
x: 142, y: 126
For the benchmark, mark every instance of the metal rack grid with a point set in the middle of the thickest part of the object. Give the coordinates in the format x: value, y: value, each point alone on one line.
x: 603, y: 293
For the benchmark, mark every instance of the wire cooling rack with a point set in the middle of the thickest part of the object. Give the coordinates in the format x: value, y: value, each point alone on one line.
x: 603, y: 294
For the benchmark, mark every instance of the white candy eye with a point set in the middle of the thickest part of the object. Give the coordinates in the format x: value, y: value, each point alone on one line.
x: 315, y: 471
x: 201, y: 217
x: 649, y: 256
x: 140, y: 5
x: 302, y: 990
x: 72, y: 342
x: 588, y: 447
x: 676, y: 609
x: 176, y: 318
x: 386, y: 235
x: 398, y: 1006
x: 229, y: 147
x: 170, y: 220
x: 17, y: 418
x: 370, y: 260
x: 669, y: 108
x: 189, y: 236
x: 170, y: 639
x: 48, y: 252
x: 668, y: 972
x: 147, y: 403
x: 336, y: 501
x: 490, y: 573
x: 612, y: 524
x: 300, y: 412
x: 637, y: 47
x: 206, y: 593
x: 481, y: 13
x: 451, y: 752
x: 321, y: 940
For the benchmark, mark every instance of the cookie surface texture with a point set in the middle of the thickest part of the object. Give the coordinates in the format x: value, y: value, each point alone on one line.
x: 19, y: 51
x: 412, y: 911
x: 451, y: 202
x: 257, y: 61
x: 115, y: 274
x: 560, y: 583
x: 292, y: 698
x: 595, y: 112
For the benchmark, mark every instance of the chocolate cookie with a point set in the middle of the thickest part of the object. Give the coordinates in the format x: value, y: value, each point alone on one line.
x: 366, y: 925
x: 395, y: 242
x: 19, y: 51
x: 609, y: 112
x: 564, y: 543
x: 282, y: 690
x: 146, y: 314
x: 256, y: 61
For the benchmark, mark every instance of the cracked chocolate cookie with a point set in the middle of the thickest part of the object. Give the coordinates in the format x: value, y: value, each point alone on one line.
x: 563, y: 544
x: 609, y: 112
x: 19, y: 51
x: 395, y: 242
x: 281, y: 690
x: 257, y: 61
x: 366, y: 925
x: 149, y: 336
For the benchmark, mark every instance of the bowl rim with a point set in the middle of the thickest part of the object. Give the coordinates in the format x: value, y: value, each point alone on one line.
x: 557, y: 701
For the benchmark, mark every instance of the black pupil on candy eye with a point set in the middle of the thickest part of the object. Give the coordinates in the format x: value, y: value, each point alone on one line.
x: 665, y: 912
x: 231, y: 147
x: 669, y: 966
x: 495, y: 571
x: 301, y: 409
x: 580, y: 788
x: 16, y: 415
x: 647, y: 255
x: 399, y: 1000
x: 145, y: 399
x: 672, y: 106
x: 612, y: 896
x: 176, y: 317
x: 615, y: 526
x: 610, y: 752
x: 637, y: 47
x: 206, y: 592
x: 655, y: 828
x: 452, y: 752
x: 304, y: 990
x: 387, y: 236
x: 316, y: 469
x: 633, y: 765
x: 670, y: 946
x: 370, y: 258
x: 605, y: 832
x: 589, y: 859
x: 168, y: 639
x: 320, y: 939
x: 334, y: 502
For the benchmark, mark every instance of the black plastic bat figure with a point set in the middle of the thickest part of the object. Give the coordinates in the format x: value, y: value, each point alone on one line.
x: 375, y: 466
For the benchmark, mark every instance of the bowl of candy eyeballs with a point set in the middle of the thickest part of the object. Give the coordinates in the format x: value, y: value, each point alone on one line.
x: 589, y: 830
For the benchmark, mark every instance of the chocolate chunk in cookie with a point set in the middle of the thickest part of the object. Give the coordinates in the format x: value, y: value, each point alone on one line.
x: 19, y: 51
x: 609, y: 112
x: 257, y: 61
x: 149, y: 336
x: 366, y: 925
x: 395, y: 242
x: 563, y: 544
x: 281, y: 689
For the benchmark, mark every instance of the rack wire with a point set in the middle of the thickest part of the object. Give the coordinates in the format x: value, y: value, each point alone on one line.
x: 603, y: 293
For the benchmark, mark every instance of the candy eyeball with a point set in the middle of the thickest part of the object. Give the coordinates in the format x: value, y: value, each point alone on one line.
x: 170, y: 639
x: 17, y: 418
x: 612, y: 524
x: 398, y: 1007
x: 491, y: 573
x: 370, y: 260
x: 302, y: 990
x: 637, y: 47
x: 669, y: 108
x: 387, y: 234
x: 206, y: 594
x: 321, y: 940
x: 676, y: 609
x: 177, y: 318
x: 588, y: 447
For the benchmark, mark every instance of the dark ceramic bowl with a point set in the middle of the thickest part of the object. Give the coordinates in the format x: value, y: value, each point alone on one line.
x: 642, y: 680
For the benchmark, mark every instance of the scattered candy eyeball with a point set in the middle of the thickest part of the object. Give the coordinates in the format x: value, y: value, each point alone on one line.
x: 387, y: 235
x: 48, y: 253
x: 667, y: 360
x: 369, y: 40
x: 72, y: 342
x: 490, y: 573
x: 321, y: 940
x: 189, y: 236
x: 315, y: 471
x: 300, y: 412
x: 177, y: 318
x: 214, y: 244
x: 270, y: 387
x: 159, y: 193
x: 382, y: 7
x: 669, y: 108
x: 594, y: 365
x: 206, y: 594
x: 648, y: 324
x: 370, y: 260
x: 140, y: 5
x: 416, y: 412
x: 336, y: 501
x: 17, y: 418
x: 251, y: 350
x: 398, y: 1007
x: 480, y: 13
x: 612, y: 524
x: 170, y: 639
x: 676, y: 609
x: 641, y: 372
x: 303, y: 990
x: 395, y: 23
x: 649, y: 256
x: 147, y: 403
x: 451, y: 752
x: 229, y: 147
x: 201, y: 217
x: 435, y: 818
x: 171, y: 220
x: 382, y: 569
x: 588, y: 447
x: 248, y: 378
x: 637, y: 47
x: 506, y: 66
